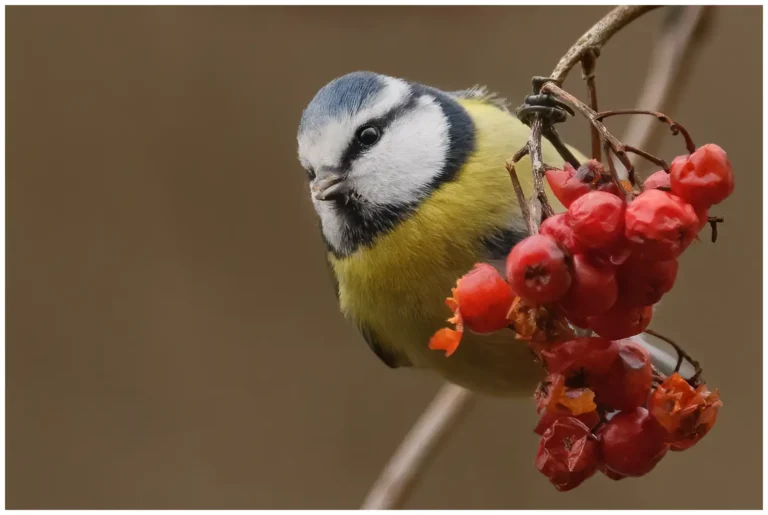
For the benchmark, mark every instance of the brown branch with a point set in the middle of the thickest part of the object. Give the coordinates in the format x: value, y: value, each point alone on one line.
x: 510, y: 165
x: 597, y: 36
x: 590, y: 114
x: 675, y: 127
x: 418, y: 447
x: 538, y: 168
x: 588, y: 64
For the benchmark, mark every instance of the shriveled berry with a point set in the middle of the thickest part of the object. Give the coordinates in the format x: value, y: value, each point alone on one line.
x: 609, y: 473
x: 483, y: 298
x: 568, y: 454
x: 593, y: 288
x: 553, y: 395
x: 704, y: 178
x: 643, y: 282
x: 593, y: 172
x: 621, y: 321
x: 632, y: 443
x: 537, y: 270
x: 703, y: 215
x: 557, y: 227
x: 686, y: 413
x: 657, y: 181
x: 597, y: 219
x: 548, y: 417
x: 565, y: 185
x: 660, y: 225
x: 593, y: 355
x: 629, y: 381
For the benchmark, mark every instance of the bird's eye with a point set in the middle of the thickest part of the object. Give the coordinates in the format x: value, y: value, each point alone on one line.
x: 368, y: 135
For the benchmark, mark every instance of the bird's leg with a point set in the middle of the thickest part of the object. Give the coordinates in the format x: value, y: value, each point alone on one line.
x: 551, y: 110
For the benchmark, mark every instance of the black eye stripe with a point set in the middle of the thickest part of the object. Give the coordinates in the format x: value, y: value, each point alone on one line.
x: 382, y: 123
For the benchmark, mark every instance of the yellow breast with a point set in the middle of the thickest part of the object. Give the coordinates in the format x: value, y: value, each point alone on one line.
x: 397, y: 287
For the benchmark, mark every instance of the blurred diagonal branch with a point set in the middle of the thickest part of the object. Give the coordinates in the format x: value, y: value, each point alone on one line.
x: 419, y: 445
x: 410, y: 460
x: 682, y: 25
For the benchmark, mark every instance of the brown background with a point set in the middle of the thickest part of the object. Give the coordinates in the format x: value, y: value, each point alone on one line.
x: 173, y: 340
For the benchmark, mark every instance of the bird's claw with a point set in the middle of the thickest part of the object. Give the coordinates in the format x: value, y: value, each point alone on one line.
x: 551, y: 109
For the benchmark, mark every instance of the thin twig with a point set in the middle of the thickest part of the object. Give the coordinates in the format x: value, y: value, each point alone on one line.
x: 588, y: 65
x: 538, y: 168
x: 680, y: 353
x: 590, y: 114
x: 597, y: 36
x: 510, y: 165
x: 419, y: 445
x: 675, y: 127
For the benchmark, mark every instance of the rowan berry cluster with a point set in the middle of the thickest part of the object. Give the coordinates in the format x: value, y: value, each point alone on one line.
x: 601, y: 266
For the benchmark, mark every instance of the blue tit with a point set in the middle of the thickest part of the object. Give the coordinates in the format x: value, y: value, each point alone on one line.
x: 410, y: 187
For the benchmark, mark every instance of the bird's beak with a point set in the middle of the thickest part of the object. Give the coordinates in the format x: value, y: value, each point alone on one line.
x: 330, y: 186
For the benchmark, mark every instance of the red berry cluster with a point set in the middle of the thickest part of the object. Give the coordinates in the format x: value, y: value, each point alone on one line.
x: 601, y: 266
x: 600, y: 411
x: 605, y: 262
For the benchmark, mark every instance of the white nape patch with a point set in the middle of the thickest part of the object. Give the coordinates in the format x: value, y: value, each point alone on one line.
x: 325, y: 147
x: 411, y: 153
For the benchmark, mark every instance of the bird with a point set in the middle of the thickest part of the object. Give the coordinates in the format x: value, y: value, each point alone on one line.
x: 411, y: 191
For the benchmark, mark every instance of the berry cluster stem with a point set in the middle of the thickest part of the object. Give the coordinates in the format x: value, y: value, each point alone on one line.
x: 588, y: 65
x: 675, y: 127
x: 616, y: 146
x: 522, y: 202
x: 681, y: 354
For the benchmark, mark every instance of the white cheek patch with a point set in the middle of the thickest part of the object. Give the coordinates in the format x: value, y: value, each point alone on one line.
x: 325, y: 147
x: 409, y: 156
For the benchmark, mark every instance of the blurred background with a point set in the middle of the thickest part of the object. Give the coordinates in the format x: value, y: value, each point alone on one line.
x: 173, y: 340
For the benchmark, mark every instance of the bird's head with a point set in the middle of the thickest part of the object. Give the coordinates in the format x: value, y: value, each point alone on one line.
x: 374, y: 147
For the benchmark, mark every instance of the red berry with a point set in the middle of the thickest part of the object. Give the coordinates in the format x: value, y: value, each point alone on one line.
x: 483, y: 298
x: 660, y: 225
x: 704, y: 178
x: 703, y: 215
x: 610, y: 474
x: 537, y: 270
x: 589, y: 419
x: 643, y: 282
x: 565, y: 185
x: 657, y: 181
x: 594, y: 355
x: 685, y: 413
x: 568, y: 454
x: 621, y: 321
x: 597, y: 219
x: 593, y: 288
x: 593, y: 172
x: 632, y: 443
x: 628, y: 383
x: 557, y: 227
